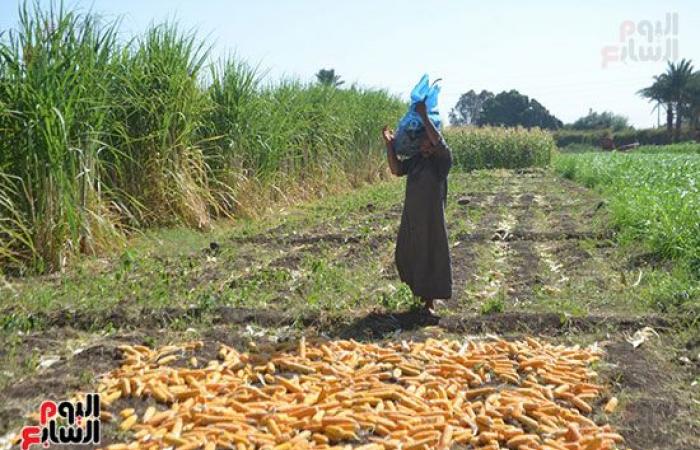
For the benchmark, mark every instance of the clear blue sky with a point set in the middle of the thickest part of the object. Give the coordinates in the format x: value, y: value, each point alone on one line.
x: 550, y: 50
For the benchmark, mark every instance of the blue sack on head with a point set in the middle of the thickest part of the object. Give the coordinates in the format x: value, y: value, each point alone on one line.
x: 410, y: 129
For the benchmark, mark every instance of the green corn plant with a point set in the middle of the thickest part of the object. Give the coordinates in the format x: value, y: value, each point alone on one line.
x: 500, y: 148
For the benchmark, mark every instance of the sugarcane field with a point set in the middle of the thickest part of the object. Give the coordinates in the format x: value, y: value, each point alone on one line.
x: 365, y: 225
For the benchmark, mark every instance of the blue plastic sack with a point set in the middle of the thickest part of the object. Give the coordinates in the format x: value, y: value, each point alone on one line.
x: 410, y: 129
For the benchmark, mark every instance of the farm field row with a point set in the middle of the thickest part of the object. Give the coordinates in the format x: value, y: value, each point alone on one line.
x: 521, y: 241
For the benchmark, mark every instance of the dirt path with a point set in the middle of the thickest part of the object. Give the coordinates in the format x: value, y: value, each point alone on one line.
x: 535, y: 235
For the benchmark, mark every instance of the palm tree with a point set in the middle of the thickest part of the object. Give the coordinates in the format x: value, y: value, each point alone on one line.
x: 660, y: 93
x: 679, y: 76
x: 328, y: 77
x: 670, y: 89
x: 692, y: 103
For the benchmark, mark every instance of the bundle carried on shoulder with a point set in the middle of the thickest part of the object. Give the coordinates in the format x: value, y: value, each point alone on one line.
x: 410, y: 129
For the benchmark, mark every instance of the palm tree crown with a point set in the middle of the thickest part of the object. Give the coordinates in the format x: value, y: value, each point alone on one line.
x: 328, y: 77
x: 673, y: 89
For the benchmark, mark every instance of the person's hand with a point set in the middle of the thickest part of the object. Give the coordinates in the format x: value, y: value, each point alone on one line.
x: 421, y: 108
x: 387, y: 134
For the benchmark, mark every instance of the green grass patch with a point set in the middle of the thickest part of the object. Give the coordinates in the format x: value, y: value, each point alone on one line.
x: 653, y: 200
x: 691, y: 147
x: 682, y: 147
x: 174, y: 266
x: 579, y: 148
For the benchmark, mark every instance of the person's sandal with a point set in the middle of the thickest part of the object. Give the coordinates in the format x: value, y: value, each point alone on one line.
x: 429, y: 307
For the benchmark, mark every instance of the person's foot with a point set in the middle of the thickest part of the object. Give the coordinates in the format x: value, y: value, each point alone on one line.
x: 429, y: 307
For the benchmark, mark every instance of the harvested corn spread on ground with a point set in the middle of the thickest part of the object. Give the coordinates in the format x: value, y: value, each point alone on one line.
x: 436, y: 394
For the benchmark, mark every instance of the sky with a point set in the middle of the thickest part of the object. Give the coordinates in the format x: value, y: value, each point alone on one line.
x: 552, y: 51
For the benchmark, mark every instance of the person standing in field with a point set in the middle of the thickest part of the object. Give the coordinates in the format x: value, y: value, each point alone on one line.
x: 422, y: 251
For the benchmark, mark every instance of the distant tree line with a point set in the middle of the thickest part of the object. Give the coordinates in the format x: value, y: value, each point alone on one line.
x: 676, y: 92
x: 511, y: 108
x: 600, y: 121
x: 508, y: 108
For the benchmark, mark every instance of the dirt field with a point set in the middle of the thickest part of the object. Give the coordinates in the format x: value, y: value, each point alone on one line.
x: 531, y: 256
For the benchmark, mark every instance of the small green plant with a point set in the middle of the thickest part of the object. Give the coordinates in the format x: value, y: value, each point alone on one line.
x: 207, y: 302
x: 568, y: 308
x: 126, y: 263
x: 326, y: 284
x: 13, y: 322
x: 493, y: 305
x: 31, y: 363
x: 398, y: 298
x: 86, y: 377
x: 149, y: 341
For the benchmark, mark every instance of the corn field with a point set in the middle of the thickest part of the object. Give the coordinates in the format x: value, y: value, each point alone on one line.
x: 100, y: 136
x: 493, y: 147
